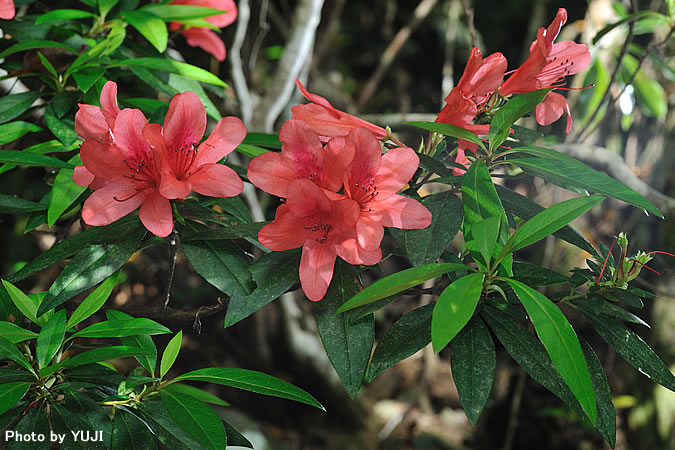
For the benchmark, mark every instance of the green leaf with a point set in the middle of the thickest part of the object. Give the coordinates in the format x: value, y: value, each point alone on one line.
x: 183, y: 84
x: 150, y: 26
x: 530, y: 354
x: 92, y: 265
x: 454, y: 309
x: 431, y: 164
x: 407, y: 336
x: 628, y: 19
x: 165, y: 429
x: 525, y: 208
x: 122, y: 328
x: 347, y: 345
x: 170, y: 354
x: 169, y: 65
x: 197, y: 393
x: 31, y: 159
x: 10, y: 393
x: 631, y: 347
x: 34, y: 423
x: 149, y: 357
x: 263, y: 140
x: 64, y: 192
x: 63, y: 102
x: 449, y: 130
x: 24, y: 303
x: 130, y: 433
x: 551, y: 220
x: 606, y: 423
x: 427, y: 245
x: 617, y: 312
x: 250, y: 150
x: 93, y: 302
x: 63, y: 129
x: 9, y: 351
x: 14, y: 130
x: 561, y: 343
x: 104, y: 6
x: 66, y: 423
x: 10, y: 204
x: 509, y: 113
x: 50, y: 338
x: 484, y: 234
x: 14, y: 333
x: 86, y: 78
x: 274, y: 273
x: 48, y: 65
x: 62, y: 14
x: 235, y: 438
x: 181, y: 12
x: 241, y: 230
x: 250, y: 380
x: 559, y: 168
x: 31, y: 45
x: 196, y: 418
x: 93, y: 356
x: 474, y: 361
x: 221, y: 263
x: 91, y: 413
x: 398, y: 282
x: 534, y: 275
x: 14, y: 105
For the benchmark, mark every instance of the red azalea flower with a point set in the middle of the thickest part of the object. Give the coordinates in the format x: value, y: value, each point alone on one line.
x: 187, y: 166
x: 546, y: 67
x: 373, y: 180
x: 7, y: 10
x: 323, y: 227
x: 203, y: 37
x: 131, y: 177
x: 302, y: 157
x: 327, y: 121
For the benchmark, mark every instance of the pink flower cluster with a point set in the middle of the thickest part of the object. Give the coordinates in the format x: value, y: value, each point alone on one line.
x: 546, y: 67
x: 7, y: 10
x: 338, y: 196
x: 130, y: 163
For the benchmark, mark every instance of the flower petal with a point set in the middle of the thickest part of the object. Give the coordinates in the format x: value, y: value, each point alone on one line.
x: 207, y: 40
x: 398, y: 166
x: 271, y: 173
x: 111, y: 202
x: 90, y: 123
x: 353, y: 253
x: 7, y: 10
x: 228, y: 134
x: 171, y: 187
x: 82, y: 176
x: 285, y: 232
x: 316, y: 269
x: 307, y: 200
x: 109, y: 98
x: 301, y: 147
x: 128, y: 133
x: 552, y: 108
x: 462, y: 147
x: 105, y: 161
x: 155, y: 213
x: 216, y: 180
x: 369, y: 233
x: 185, y: 121
x: 340, y: 152
x: 221, y: 20
x: 366, y: 163
x: 401, y: 212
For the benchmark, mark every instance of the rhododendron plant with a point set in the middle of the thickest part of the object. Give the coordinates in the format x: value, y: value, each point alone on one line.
x: 203, y: 37
x: 7, y: 10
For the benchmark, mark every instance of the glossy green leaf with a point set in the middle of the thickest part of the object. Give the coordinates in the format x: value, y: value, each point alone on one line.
x: 235, y: 438
x: 10, y: 204
x: 33, y: 44
x: 50, y: 338
x: 628, y: 19
x: 66, y: 423
x: 274, y: 273
x: 197, y: 393
x: 14, y: 333
x: 631, y: 348
x: 33, y: 423
x: 263, y: 140
x: 14, y: 105
x: 250, y: 150
x: 62, y: 129
x: 64, y: 192
x: 93, y: 302
x: 525, y: 208
x: 130, y: 433
x: 91, y: 413
x: 222, y: 263
x: 454, y: 309
x: 473, y: 360
x: 169, y: 65
x: 606, y: 423
x: 551, y: 220
x: 535, y: 275
x: 433, y: 165
x: 92, y: 265
x: 399, y: 282
x: 558, y: 168
x: 104, y: 6
x: 31, y: 159
x: 62, y: 14
x: 170, y: 354
x: 449, y: 130
x: 10, y: 393
x: 530, y: 354
x: 347, y: 344
x: 407, y: 336
x: 484, y: 233
x: 148, y: 358
x: 183, y: 84
x: 122, y: 328
x: 509, y: 113
x: 181, y: 12
x: 241, y: 230
x: 250, y: 380
x: 617, y: 312
x: 150, y: 26
x: 9, y: 351
x: 427, y: 245
x: 196, y: 418
x: 86, y: 78
x: 26, y: 304
x: 14, y: 130
x: 93, y: 356
x: 561, y: 343
x: 165, y: 429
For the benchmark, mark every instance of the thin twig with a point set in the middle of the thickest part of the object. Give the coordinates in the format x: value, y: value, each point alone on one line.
x: 234, y: 56
x: 174, y: 254
x: 468, y: 12
x: 388, y: 56
x: 264, y: 27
